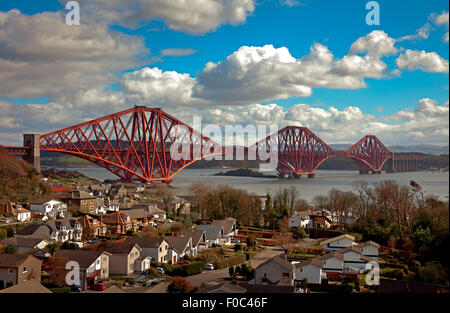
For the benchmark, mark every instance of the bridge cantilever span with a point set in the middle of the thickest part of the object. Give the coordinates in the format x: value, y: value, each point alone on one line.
x: 147, y: 144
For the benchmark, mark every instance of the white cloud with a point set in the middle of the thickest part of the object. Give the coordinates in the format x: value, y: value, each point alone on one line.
x: 41, y: 55
x: 290, y: 3
x: 425, y: 61
x: 193, y: 16
x: 377, y: 43
x: 177, y: 52
x: 442, y: 20
x: 421, y: 33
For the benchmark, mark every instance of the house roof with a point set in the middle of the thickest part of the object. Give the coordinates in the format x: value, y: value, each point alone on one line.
x: 178, y: 243
x: 212, y: 232
x: 30, y: 286
x: 41, y: 201
x: 121, y: 247
x: 302, y: 214
x: 227, y: 225
x: 195, y: 234
x: 368, y: 243
x: 330, y: 255
x: 313, y: 261
x: 84, y: 257
x: 88, y: 221
x: 144, y: 242
x: 137, y: 213
x: 22, y: 241
x: 348, y: 249
x: 28, y: 230
x: 13, y: 260
x: 281, y: 261
x: 337, y: 238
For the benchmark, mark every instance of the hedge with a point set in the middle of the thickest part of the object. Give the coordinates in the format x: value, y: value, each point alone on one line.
x: 185, y: 269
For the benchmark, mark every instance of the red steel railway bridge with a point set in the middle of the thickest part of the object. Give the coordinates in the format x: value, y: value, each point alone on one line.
x: 147, y: 144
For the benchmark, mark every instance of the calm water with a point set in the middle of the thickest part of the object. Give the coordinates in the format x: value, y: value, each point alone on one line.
x: 431, y: 182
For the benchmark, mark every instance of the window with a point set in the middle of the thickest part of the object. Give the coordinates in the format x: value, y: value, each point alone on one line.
x: 98, y: 261
x: 25, y: 269
x: 160, y: 249
x: 105, y: 259
x: 10, y: 271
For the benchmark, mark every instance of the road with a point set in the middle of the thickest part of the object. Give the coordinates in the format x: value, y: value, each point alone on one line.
x: 208, y: 277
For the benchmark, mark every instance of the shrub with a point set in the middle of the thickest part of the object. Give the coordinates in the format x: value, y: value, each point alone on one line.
x: 235, y: 260
x: 179, y: 285
x: 237, y: 247
x: 10, y: 249
x: 3, y: 233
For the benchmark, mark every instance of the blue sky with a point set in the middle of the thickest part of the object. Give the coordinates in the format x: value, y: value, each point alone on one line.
x: 335, y: 24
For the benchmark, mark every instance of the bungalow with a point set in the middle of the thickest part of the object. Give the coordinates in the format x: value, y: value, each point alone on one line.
x: 332, y: 262
x: 354, y: 260
x: 213, y: 233
x: 299, y: 219
x: 125, y: 258
x: 198, y: 239
x: 369, y: 249
x: 179, y: 246
x: 311, y: 270
x: 155, y: 248
x: 93, y: 227
x: 16, y: 269
x: 337, y: 243
x: 229, y: 229
x: 50, y: 207
x: 275, y: 271
x: 26, y: 244
x: 93, y: 265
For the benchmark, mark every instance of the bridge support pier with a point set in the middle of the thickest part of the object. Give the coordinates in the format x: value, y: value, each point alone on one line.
x: 296, y: 176
x: 34, y: 153
x: 311, y: 175
x: 363, y: 172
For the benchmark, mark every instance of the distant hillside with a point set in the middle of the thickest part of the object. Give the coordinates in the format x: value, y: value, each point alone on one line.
x: 19, y: 181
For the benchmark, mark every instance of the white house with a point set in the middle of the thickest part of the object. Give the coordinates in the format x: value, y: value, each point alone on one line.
x: 179, y: 246
x: 311, y: 270
x: 369, y: 249
x: 299, y: 218
x: 339, y: 242
x: 50, y: 207
x: 213, y: 234
x: 275, y: 271
x: 21, y: 214
x: 332, y: 262
x: 354, y: 259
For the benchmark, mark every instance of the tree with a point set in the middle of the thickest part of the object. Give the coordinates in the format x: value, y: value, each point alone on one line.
x: 299, y: 233
x: 231, y: 272
x: 179, y: 285
x: 10, y: 249
x: 9, y: 232
x: 187, y: 222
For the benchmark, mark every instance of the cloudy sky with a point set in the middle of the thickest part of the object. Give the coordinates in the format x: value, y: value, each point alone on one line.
x: 286, y: 62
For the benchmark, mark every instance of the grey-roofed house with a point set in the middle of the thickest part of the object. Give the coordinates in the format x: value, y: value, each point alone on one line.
x: 369, y: 249
x: 155, y: 248
x: 93, y: 265
x: 68, y: 229
x: 198, y: 239
x: 229, y: 229
x: 332, y: 262
x: 179, y: 246
x: 26, y: 244
x: 213, y: 233
x: 275, y: 271
x: 355, y: 260
x: 311, y: 270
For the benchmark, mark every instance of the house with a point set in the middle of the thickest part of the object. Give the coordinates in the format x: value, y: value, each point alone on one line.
x: 311, y: 270
x: 299, y: 219
x: 353, y: 259
x: 81, y: 201
x: 20, y: 214
x: 38, y: 217
x: 332, y: 262
x: 69, y: 229
x: 119, y: 223
x: 275, y: 271
x: 229, y: 229
x: 30, y: 286
x: 155, y: 248
x: 213, y: 233
x: 179, y: 246
x: 198, y: 239
x: 125, y: 258
x: 319, y: 222
x: 142, y: 216
x: 93, y: 227
x: 180, y: 206
x: 93, y: 265
x: 16, y: 269
x: 50, y: 207
x: 369, y: 249
x: 107, y: 205
x: 39, y: 231
x: 26, y: 244
x: 337, y: 243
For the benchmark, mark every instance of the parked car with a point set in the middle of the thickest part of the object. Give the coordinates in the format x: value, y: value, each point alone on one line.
x: 169, y: 220
x: 160, y: 270
x: 98, y: 287
x: 75, y: 288
x: 234, y: 240
x: 209, y: 266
